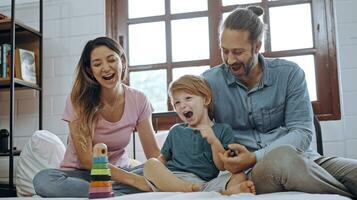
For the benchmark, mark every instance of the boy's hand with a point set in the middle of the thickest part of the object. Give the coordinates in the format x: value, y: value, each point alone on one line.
x: 207, y: 133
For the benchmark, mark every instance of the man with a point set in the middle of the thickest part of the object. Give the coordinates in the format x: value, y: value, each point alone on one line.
x: 266, y: 102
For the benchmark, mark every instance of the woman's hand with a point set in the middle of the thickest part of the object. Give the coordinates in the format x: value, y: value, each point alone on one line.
x: 242, y: 161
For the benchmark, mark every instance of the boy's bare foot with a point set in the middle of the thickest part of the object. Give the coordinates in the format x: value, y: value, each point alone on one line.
x: 190, y: 188
x: 195, y: 188
x: 243, y: 187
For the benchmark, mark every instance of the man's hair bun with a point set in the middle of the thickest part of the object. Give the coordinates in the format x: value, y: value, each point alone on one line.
x: 256, y: 10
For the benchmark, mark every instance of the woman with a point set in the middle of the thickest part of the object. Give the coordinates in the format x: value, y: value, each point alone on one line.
x: 101, y: 109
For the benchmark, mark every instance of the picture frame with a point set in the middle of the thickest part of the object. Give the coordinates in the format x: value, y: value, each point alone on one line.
x: 25, y: 65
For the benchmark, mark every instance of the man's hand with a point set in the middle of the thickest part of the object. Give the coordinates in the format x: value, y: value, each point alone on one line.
x: 242, y: 161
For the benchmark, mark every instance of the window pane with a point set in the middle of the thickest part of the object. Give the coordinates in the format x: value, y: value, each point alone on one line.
x: 146, y: 8
x: 262, y: 49
x: 190, y: 39
x: 147, y: 43
x: 225, y: 15
x: 291, y: 27
x: 178, y: 72
x: 153, y: 84
x: 307, y: 63
x: 181, y: 6
x: 27, y: 12
x: 233, y: 2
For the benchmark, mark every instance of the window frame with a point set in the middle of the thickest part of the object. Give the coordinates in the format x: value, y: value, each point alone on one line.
x: 327, y: 105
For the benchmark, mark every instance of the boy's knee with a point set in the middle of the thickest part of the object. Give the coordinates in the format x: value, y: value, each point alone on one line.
x: 150, y: 164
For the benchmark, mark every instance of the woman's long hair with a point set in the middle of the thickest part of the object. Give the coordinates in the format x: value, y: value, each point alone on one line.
x: 85, y: 94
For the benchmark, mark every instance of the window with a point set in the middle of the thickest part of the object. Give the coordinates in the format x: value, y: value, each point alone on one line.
x: 176, y: 37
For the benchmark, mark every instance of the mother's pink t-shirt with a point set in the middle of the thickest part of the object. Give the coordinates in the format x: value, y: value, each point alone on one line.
x: 116, y: 135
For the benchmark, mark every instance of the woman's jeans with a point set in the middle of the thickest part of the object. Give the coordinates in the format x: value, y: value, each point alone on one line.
x: 74, y: 183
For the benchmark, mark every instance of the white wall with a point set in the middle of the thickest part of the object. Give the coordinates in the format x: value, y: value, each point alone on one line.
x: 69, y: 24
x: 340, y: 137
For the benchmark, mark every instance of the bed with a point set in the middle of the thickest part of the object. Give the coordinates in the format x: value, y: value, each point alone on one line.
x: 25, y: 187
x: 217, y: 196
x: 242, y: 196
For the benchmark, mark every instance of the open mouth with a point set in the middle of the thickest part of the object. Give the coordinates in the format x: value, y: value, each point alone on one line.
x: 188, y: 114
x: 236, y: 67
x: 108, y: 77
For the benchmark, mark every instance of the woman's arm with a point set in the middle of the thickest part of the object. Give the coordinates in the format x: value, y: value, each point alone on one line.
x: 84, y: 152
x: 147, y: 138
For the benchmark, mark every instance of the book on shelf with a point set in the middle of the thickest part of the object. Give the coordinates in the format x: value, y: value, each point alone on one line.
x: 1, y: 62
x: 4, y: 49
x: 25, y: 65
x: 3, y: 17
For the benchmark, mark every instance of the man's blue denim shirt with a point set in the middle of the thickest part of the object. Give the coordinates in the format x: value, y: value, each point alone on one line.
x: 276, y: 111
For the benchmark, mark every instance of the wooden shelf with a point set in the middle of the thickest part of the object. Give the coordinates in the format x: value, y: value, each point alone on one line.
x: 5, y: 26
x: 15, y: 153
x: 19, y: 83
x: 20, y: 36
x: 7, y: 191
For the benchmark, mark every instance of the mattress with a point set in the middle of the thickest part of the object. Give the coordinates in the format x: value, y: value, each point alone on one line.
x: 217, y: 196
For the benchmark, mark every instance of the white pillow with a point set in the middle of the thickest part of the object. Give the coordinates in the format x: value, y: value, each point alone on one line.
x: 43, y: 150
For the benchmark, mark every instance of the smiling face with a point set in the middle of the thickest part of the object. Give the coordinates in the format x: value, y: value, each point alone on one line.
x: 238, y: 52
x: 106, y: 66
x: 191, y: 108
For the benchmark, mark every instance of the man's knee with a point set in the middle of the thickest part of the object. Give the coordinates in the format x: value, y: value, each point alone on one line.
x: 277, y: 160
x: 274, y: 167
x: 283, y: 151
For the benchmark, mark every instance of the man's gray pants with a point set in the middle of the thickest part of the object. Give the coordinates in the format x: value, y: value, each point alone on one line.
x: 286, y: 169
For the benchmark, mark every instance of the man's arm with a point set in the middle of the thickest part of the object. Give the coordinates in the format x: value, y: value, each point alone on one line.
x: 298, y: 123
x: 298, y: 116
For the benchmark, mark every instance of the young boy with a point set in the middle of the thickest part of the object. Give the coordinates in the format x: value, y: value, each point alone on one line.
x: 189, y: 159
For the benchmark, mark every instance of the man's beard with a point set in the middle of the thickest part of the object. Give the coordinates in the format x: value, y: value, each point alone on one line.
x: 248, y: 66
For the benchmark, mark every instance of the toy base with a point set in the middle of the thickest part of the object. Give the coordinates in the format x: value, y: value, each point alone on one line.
x: 100, y: 195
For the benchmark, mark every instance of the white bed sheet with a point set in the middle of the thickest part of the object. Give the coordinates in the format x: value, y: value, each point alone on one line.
x: 216, y: 196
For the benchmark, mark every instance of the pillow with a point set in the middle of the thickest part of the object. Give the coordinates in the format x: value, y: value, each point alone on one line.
x: 43, y: 150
